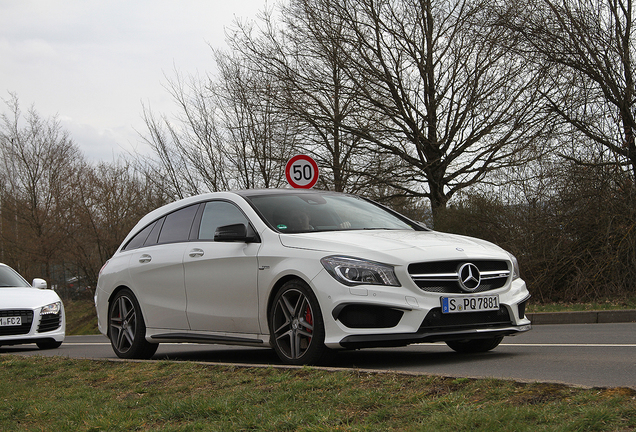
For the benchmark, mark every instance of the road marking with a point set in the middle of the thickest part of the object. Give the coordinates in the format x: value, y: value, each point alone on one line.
x: 85, y: 343
x: 547, y: 345
x: 108, y: 343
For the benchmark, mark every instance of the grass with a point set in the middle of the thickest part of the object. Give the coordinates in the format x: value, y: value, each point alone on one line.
x: 81, y: 318
x: 60, y: 394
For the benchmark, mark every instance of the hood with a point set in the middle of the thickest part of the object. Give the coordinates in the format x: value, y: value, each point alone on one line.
x: 26, y: 298
x: 392, y: 241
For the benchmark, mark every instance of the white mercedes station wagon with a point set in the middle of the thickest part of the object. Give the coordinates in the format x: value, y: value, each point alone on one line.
x: 305, y: 272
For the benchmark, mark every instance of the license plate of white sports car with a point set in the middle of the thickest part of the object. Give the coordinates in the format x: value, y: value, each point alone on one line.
x: 470, y: 304
x: 10, y: 321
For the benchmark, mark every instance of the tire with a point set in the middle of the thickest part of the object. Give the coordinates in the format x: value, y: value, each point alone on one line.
x: 471, y: 346
x: 126, y: 328
x: 297, y: 330
x: 46, y: 345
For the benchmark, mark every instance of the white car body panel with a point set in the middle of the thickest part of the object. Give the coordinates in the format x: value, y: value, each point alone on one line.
x: 211, y: 306
x: 159, y: 281
x: 26, y: 298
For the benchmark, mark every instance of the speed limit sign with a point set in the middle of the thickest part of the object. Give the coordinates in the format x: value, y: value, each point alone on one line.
x: 302, y: 172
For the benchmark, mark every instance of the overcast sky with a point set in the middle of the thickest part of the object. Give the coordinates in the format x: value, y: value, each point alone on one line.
x: 94, y: 62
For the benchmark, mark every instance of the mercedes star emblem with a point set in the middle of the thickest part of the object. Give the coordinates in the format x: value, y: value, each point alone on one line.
x: 469, y: 277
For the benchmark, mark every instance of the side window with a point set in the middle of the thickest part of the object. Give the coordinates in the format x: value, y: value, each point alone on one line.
x: 138, y: 240
x: 177, y: 225
x: 217, y: 214
x: 153, y: 238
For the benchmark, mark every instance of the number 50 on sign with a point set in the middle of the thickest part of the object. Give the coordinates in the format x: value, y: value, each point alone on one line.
x: 301, y: 172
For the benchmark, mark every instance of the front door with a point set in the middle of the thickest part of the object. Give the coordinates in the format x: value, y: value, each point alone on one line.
x: 221, y: 277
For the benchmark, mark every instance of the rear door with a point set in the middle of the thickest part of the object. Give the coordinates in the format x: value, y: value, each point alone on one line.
x: 156, y: 270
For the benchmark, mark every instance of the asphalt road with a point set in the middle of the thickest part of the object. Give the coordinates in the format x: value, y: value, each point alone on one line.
x: 589, y: 355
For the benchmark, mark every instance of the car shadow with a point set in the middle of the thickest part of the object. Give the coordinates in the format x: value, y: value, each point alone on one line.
x: 402, y: 359
x: 381, y: 359
x: 16, y: 349
x: 221, y: 354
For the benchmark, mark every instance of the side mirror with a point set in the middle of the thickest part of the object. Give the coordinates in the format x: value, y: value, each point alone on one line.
x: 39, y: 283
x: 235, y: 232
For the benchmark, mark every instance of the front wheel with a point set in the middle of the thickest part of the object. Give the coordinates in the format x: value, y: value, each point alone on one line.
x: 126, y: 328
x: 297, y: 331
x: 474, y: 345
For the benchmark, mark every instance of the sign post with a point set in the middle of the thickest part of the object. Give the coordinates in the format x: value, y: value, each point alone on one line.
x: 301, y: 172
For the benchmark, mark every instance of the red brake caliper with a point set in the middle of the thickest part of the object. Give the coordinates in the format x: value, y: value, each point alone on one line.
x: 308, y: 318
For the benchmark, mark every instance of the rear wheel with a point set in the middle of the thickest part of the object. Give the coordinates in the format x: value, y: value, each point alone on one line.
x: 474, y: 345
x: 297, y: 331
x: 126, y: 328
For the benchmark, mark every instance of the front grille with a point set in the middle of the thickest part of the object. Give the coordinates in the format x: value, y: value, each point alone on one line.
x: 25, y: 328
x: 49, y: 322
x: 443, y: 276
x: 437, y: 321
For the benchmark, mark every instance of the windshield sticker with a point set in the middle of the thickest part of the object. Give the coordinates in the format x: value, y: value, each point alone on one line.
x: 281, y: 226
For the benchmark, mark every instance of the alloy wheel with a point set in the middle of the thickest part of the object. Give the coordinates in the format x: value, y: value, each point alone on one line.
x: 293, y: 324
x: 123, y: 320
x: 126, y: 328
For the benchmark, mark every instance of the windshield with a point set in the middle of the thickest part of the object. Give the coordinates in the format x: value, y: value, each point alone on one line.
x: 307, y: 212
x: 10, y: 279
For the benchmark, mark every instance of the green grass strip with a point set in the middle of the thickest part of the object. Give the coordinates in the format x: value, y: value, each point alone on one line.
x: 60, y: 394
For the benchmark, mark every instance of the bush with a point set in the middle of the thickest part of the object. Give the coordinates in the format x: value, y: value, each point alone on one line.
x: 577, y: 244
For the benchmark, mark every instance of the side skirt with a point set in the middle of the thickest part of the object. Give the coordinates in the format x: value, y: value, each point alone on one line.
x: 205, y: 339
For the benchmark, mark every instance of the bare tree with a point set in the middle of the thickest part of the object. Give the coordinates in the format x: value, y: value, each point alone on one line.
x: 260, y: 138
x: 455, y: 105
x: 304, y: 58
x: 38, y: 160
x: 109, y: 199
x: 226, y: 135
x: 590, y: 47
x: 190, y: 154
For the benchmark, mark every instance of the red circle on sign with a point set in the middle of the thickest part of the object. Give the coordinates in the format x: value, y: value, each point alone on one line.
x: 301, y: 172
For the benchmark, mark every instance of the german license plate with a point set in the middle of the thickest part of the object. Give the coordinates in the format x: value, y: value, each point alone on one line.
x: 10, y: 321
x: 470, y: 304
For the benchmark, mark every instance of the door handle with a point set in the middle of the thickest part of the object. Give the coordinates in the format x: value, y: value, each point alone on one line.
x: 145, y: 258
x: 195, y: 253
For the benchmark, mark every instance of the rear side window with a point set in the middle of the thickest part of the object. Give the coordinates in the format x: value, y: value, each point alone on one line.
x: 172, y: 228
x: 177, y: 226
x: 138, y: 240
x: 153, y: 238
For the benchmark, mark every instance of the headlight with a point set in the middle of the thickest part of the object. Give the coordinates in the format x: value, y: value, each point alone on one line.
x: 353, y: 271
x: 52, y: 308
x: 515, y: 267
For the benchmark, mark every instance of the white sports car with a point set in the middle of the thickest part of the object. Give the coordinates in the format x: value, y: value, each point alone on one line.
x: 305, y: 272
x: 29, y: 313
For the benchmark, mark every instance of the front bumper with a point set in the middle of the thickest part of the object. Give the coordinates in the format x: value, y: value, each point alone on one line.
x: 396, y: 316
x: 35, y: 328
x: 438, y: 327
